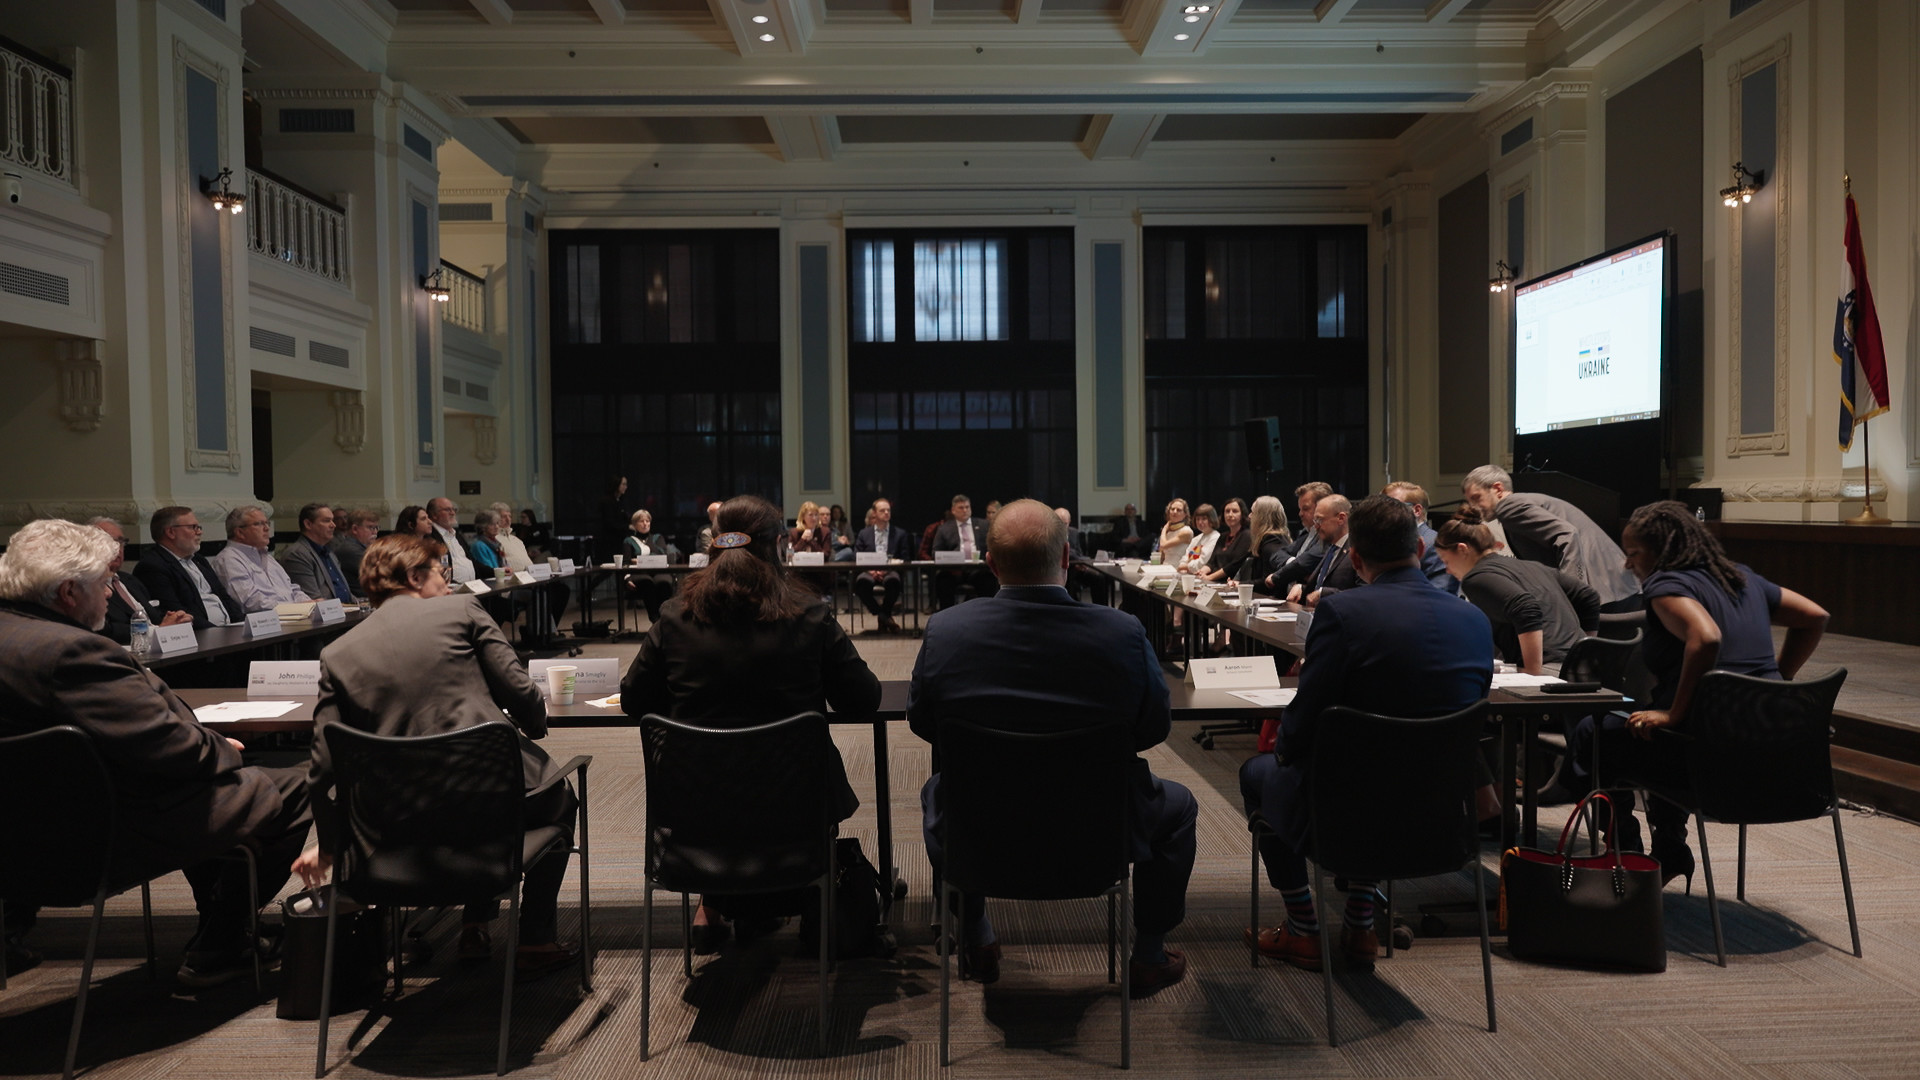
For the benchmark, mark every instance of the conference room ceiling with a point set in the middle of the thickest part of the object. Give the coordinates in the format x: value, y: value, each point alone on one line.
x: 824, y: 80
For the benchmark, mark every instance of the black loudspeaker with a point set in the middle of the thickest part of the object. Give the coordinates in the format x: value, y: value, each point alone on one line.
x: 1263, y: 443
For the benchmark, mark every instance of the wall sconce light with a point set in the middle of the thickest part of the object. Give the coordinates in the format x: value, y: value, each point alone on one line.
x: 1502, y: 278
x: 1744, y: 185
x: 223, y: 197
x: 435, y: 287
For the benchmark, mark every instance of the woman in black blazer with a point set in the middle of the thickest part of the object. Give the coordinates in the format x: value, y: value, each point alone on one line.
x: 745, y: 644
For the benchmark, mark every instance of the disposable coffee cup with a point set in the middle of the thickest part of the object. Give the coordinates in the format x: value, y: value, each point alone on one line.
x: 553, y: 565
x: 1186, y: 583
x: 560, y: 683
x: 619, y: 561
x: 500, y: 573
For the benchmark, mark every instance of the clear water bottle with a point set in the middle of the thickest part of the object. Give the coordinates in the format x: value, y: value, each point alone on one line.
x: 139, y: 636
x: 1699, y: 513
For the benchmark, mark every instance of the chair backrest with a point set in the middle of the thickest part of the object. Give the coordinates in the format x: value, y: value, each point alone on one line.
x: 1758, y: 749
x: 57, y: 818
x: 428, y: 819
x: 738, y: 808
x: 1035, y: 814
x: 1601, y: 659
x: 1393, y: 797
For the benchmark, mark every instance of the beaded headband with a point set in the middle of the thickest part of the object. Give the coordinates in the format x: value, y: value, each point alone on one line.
x: 732, y: 540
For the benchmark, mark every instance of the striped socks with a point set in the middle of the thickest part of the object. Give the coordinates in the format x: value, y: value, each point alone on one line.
x: 1301, y: 918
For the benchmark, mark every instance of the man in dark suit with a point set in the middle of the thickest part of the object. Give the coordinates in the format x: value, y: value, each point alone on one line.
x: 1415, y: 497
x: 128, y: 593
x: 1560, y: 534
x: 1131, y: 539
x: 310, y: 561
x: 1334, y: 571
x: 961, y: 531
x: 183, y: 796
x: 884, y: 538
x: 1032, y: 656
x: 178, y: 576
x: 1304, y: 557
x: 1399, y: 647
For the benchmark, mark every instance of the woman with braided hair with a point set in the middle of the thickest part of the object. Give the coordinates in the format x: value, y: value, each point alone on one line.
x: 1705, y: 612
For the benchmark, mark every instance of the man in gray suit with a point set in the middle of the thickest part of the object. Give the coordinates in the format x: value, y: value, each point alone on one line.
x: 311, y: 563
x: 1548, y: 530
x: 183, y: 795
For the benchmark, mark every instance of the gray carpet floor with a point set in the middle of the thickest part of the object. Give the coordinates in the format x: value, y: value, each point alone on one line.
x: 1793, y: 1001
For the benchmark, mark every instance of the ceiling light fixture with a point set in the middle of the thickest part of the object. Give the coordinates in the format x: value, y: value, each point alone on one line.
x: 766, y: 37
x: 1193, y: 18
x: 1744, y: 185
x: 1181, y: 37
x: 435, y: 287
x: 760, y: 19
x: 1502, y: 279
x: 223, y: 198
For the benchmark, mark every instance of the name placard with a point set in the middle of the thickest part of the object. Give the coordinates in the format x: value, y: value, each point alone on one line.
x: 177, y: 638
x: 523, y: 577
x: 1234, y: 673
x: 809, y: 558
x: 869, y: 558
x: 596, y: 678
x: 327, y: 611
x: 948, y: 556
x: 277, y: 678
x: 540, y: 571
x: 476, y: 587
x: 648, y: 562
x: 263, y: 623
x: 1148, y: 570
x: 697, y: 559
x: 566, y: 566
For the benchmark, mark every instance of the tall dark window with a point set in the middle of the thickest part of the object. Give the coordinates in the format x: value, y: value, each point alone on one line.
x: 960, y: 368
x: 1249, y: 322
x: 666, y: 370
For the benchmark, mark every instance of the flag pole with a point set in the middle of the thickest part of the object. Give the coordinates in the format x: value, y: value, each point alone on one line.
x: 1866, y: 515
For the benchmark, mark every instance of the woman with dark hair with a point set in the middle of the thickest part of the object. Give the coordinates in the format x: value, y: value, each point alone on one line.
x: 426, y: 662
x: 1538, y: 613
x: 1232, y: 547
x: 842, y: 535
x: 413, y: 521
x: 1705, y: 612
x: 744, y: 644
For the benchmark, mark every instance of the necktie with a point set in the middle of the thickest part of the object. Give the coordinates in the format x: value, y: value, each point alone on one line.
x: 1326, y: 567
x: 340, y: 590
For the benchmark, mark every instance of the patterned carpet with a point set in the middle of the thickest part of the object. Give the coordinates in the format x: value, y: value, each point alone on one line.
x: 1792, y: 1003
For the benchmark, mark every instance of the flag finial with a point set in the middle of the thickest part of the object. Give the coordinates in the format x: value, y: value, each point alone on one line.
x: 1846, y: 181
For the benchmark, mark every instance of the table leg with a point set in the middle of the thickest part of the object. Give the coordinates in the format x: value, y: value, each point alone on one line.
x: 883, y: 815
x: 1529, y: 798
x: 1509, y: 813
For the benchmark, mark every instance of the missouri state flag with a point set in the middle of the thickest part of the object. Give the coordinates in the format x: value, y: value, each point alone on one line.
x: 1856, y: 340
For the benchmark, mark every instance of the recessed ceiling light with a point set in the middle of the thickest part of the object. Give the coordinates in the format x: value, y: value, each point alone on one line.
x: 766, y: 37
x: 760, y: 18
x: 1180, y: 37
x: 1193, y: 18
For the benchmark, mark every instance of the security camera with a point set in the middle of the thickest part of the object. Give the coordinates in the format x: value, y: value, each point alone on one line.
x: 13, y: 189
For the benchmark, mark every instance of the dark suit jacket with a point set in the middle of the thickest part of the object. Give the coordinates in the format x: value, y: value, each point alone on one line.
x: 161, y: 573
x: 947, y: 536
x: 120, y: 616
x: 900, y: 543
x: 1398, y: 647
x: 183, y: 796
x: 1339, y: 575
x: 1031, y: 658
x: 1545, y: 529
x: 738, y: 676
x: 422, y: 667
x: 305, y: 569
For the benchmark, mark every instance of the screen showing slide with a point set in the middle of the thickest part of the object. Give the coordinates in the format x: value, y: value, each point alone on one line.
x: 1587, y: 342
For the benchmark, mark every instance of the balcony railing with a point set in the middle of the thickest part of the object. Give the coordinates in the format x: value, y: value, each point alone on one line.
x: 466, y: 298
x: 296, y: 228
x: 39, y: 96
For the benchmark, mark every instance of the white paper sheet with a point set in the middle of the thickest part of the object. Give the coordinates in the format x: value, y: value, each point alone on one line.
x: 1521, y: 678
x: 611, y: 701
x: 1270, y: 699
x: 226, y: 712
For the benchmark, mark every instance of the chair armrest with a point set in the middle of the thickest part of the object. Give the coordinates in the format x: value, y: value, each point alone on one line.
x: 578, y: 763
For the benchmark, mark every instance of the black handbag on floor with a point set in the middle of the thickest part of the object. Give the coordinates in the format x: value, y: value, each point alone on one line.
x: 1603, y: 909
x: 359, y: 953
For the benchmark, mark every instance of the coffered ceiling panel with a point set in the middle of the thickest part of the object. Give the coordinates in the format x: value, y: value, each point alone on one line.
x: 1233, y: 127
x: 963, y: 128
x: 644, y: 130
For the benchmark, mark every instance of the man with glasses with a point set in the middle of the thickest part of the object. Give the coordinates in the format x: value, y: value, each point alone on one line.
x: 310, y: 563
x: 1335, y: 570
x: 128, y: 594
x: 446, y: 522
x: 178, y: 576
x: 251, y: 576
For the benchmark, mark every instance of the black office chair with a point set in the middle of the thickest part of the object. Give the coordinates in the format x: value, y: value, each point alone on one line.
x: 736, y: 811
x: 1036, y: 815
x: 1384, y: 816
x: 1758, y: 752
x: 433, y: 820
x: 56, y: 850
x: 1609, y: 661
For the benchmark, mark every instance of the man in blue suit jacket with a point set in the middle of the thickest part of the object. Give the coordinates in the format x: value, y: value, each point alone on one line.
x: 1399, y: 647
x: 899, y: 544
x: 1031, y: 655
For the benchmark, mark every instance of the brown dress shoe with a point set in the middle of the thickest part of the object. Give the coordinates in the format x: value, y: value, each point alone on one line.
x: 980, y: 963
x: 1362, y: 947
x: 1148, y: 979
x: 534, y: 961
x: 1281, y: 943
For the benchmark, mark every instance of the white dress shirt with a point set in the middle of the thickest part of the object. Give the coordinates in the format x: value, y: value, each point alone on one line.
x: 254, y: 578
x: 462, y: 564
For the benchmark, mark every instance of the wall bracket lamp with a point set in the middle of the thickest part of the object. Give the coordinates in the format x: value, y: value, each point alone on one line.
x: 220, y: 194
x: 1502, y: 278
x: 1743, y: 187
x: 436, y: 287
